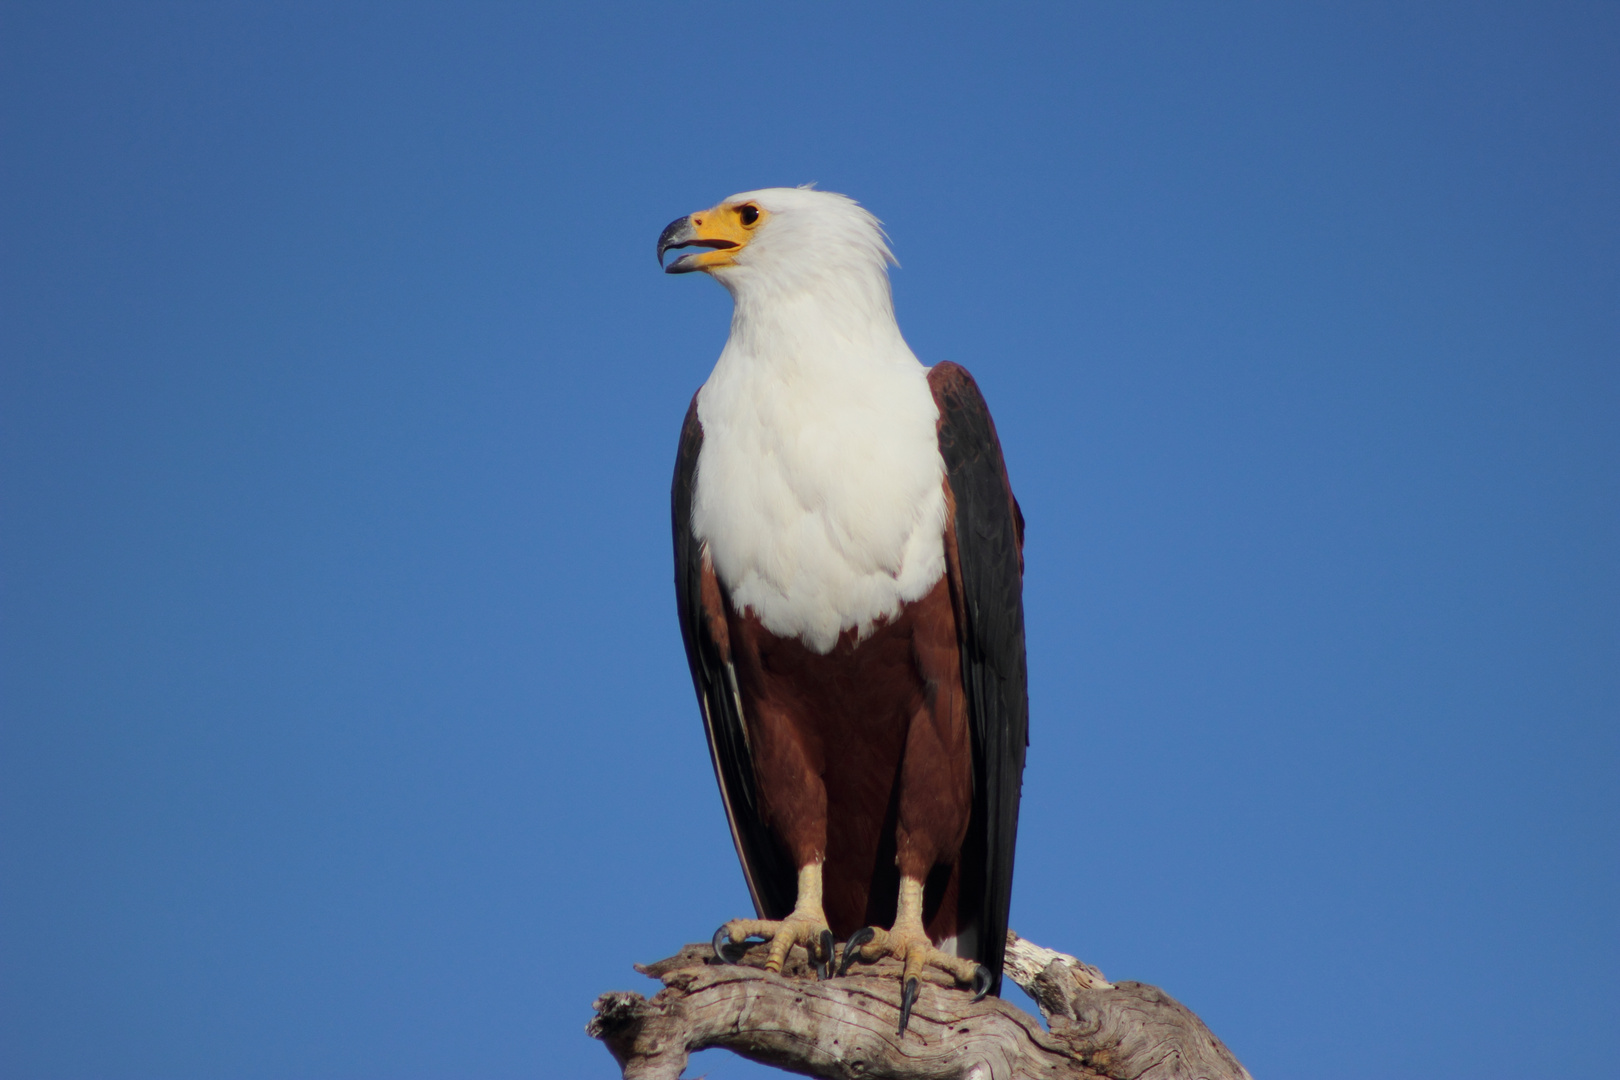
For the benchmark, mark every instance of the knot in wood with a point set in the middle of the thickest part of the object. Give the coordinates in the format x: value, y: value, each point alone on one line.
x: 614, y: 1010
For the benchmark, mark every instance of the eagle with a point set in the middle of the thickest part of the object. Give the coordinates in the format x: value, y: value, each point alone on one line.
x: 849, y: 578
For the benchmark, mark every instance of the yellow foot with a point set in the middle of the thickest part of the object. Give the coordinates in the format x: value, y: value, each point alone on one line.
x: 810, y: 932
x: 913, y: 949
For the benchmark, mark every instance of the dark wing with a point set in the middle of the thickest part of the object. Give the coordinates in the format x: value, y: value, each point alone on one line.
x: 987, y: 577
x: 772, y: 881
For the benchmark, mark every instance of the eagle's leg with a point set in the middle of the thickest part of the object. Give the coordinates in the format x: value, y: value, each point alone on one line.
x: 806, y: 925
x: 909, y: 943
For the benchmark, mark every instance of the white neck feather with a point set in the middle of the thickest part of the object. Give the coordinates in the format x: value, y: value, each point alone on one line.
x: 819, y: 488
x: 841, y: 312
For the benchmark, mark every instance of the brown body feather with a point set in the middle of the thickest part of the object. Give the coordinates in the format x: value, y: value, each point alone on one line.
x: 863, y: 756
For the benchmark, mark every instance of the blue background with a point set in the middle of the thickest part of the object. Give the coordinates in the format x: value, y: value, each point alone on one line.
x: 346, y: 728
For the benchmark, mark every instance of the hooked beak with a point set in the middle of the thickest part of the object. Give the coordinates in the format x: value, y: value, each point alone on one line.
x: 681, y: 233
x: 724, y: 230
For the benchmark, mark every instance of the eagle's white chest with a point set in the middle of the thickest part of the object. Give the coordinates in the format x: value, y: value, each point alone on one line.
x: 819, y: 490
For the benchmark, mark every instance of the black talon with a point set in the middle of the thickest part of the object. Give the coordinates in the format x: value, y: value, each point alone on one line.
x: 852, y: 947
x: 824, y: 963
x: 908, y: 998
x: 722, y: 938
x: 981, y: 982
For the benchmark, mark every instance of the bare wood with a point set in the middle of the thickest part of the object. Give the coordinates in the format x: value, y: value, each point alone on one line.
x: 845, y: 1028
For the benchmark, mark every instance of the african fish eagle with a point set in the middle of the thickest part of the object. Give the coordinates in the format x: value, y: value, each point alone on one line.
x: 849, y: 572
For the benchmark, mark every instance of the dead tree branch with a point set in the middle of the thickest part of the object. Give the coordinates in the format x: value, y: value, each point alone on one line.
x: 845, y: 1028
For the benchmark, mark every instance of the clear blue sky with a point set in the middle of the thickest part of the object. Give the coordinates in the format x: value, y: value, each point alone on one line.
x: 346, y: 730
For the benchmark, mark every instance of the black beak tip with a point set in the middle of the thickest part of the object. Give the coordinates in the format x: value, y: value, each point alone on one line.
x: 673, y: 234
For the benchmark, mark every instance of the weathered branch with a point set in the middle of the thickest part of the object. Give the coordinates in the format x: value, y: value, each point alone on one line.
x: 845, y: 1028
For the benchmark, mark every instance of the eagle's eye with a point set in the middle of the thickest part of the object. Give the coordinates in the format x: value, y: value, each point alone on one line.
x: 749, y: 213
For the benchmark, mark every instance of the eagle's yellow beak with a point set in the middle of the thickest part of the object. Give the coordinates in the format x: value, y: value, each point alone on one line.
x: 725, y: 229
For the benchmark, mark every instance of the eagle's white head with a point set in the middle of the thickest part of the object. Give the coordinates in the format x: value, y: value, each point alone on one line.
x: 786, y: 245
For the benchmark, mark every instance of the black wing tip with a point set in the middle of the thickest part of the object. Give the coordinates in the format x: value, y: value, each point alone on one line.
x: 989, y: 532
